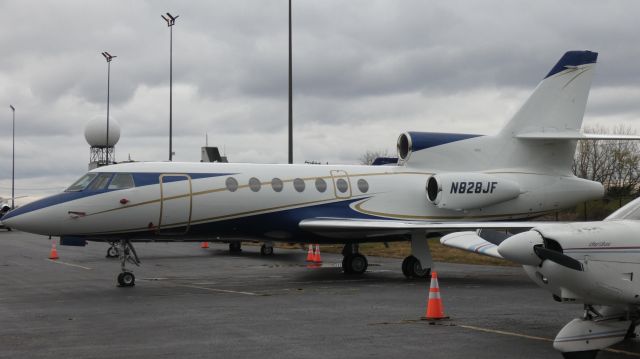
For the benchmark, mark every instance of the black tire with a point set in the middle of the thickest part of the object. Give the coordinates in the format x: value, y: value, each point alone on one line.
x: 235, y: 247
x: 405, y: 267
x: 587, y: 354
x: 345, y: 264
x: 112, y: 252
x: 356, y: 264
x: 411, y: 268
x: 126, y: 279
x: 266, y: 250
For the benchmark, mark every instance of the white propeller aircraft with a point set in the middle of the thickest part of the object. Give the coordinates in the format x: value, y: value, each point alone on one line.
x: 594, y: 263
x: 442, y: 181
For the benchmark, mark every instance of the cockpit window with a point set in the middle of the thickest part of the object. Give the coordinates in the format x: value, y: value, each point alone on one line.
x: 82, y: 183
x: 122, y: 181
x: 100, y: 182
x: 629, y: 211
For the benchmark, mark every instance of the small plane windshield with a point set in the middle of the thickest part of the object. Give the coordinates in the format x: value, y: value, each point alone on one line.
x: 82, y: 183
x: 629, y: 211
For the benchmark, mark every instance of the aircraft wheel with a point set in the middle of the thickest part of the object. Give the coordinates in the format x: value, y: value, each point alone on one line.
x: 112, y: 252
x: 266, y: 250
x: 8, y: 229
x: 587, y: 354
x: 235, y: 247
x: 345, y: 264
x: 411, y: 268
x: 355, y: 264
x: 126, y: 279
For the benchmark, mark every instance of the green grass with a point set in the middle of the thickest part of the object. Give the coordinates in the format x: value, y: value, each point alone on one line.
x: 439, y: 252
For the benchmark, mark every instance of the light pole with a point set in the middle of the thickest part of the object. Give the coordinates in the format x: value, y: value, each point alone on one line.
x: 13, y: 160
x: 290, y: 94
x: 108, y: 57
x: 171, y: 20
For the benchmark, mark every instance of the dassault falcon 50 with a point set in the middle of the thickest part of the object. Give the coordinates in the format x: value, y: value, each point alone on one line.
x: 440, y: 182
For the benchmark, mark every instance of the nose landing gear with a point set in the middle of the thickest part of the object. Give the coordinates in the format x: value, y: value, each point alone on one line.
x: 127, y: 254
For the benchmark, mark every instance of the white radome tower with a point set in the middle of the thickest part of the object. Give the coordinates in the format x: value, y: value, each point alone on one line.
x: 101, y: 153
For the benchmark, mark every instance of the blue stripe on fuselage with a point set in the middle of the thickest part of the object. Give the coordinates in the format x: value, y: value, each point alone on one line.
x: 259, y: 225
x: 140, y: 179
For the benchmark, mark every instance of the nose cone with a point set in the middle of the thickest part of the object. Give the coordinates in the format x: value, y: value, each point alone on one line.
x: 519, y: 248
x: 12, y: 221
x: 40, y: 217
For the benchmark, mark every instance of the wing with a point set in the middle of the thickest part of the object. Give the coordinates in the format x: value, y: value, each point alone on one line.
x: 371, y: 228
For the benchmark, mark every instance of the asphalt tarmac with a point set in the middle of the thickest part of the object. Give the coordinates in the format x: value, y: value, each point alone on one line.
x: 190, y: 302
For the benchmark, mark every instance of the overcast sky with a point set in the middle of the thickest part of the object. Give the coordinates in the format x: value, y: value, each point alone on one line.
x: 364, y: 71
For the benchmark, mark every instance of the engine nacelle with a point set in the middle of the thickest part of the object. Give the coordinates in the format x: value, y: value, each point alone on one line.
x: 464, y: 191
x: 412, y: 141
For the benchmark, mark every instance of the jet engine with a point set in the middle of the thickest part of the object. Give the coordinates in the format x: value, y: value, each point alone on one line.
x: 464, y: 191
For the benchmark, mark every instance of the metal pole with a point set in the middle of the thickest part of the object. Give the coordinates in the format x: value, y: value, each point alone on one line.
x: 106, y: 157
x: 13, y: 160
x: 290, y: 93
x: 171, y: 20
x: 108, y: 57
x: 170, y: 93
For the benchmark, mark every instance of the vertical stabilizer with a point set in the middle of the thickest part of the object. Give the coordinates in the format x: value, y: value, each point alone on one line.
x: 559, y: 101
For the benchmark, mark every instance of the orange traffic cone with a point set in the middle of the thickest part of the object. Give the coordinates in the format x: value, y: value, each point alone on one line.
x: 317, y: 258
x: 54, y: 252
x: 435, y: 310
x: 310, y: 254
x: 204, y: 245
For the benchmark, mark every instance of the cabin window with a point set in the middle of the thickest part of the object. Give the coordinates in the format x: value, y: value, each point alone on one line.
x: 121, y: 181
x: 254, y: 184
x: 232, y: 184
x: 276, y: 184
x: 100, y: 182
x: 82, y: 183
x: 298, y: 184
x: 342, y: 185
x: 321, y: 185
x: 363, y: 185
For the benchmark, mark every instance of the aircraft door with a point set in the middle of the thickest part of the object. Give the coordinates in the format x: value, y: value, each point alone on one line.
x: 176, y: 204
x: 341, y: 184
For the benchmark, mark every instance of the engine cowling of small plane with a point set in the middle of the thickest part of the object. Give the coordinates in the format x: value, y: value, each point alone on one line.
x: 465, y: 191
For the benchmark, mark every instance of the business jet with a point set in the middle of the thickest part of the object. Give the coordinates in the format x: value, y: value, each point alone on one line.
x: 593, y: 263
x: 442, y: 181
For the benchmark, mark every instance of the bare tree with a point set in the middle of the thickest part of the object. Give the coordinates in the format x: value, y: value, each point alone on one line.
x: 613, y: 163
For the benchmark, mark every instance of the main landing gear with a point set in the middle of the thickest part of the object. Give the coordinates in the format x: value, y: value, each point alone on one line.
x: 266, y: 249
x: 127, y: 254
x: 353, y: 262
x: 235, y: 247
x: 411, y: 268
x: 419, y: 264
x: 112, y: 251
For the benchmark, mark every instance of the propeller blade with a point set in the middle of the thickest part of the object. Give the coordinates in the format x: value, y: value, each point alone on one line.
x: 557, y: 257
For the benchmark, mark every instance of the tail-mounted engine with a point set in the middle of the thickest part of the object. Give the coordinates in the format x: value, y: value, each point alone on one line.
x: 465, y: 191
x: 410, y: 142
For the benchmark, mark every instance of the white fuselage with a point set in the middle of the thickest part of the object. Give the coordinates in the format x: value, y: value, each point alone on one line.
x: 610, y: 255
x: 195, y: 200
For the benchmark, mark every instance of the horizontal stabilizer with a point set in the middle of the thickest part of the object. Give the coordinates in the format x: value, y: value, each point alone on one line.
x: 572, y: 135
x: 470, y: 242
